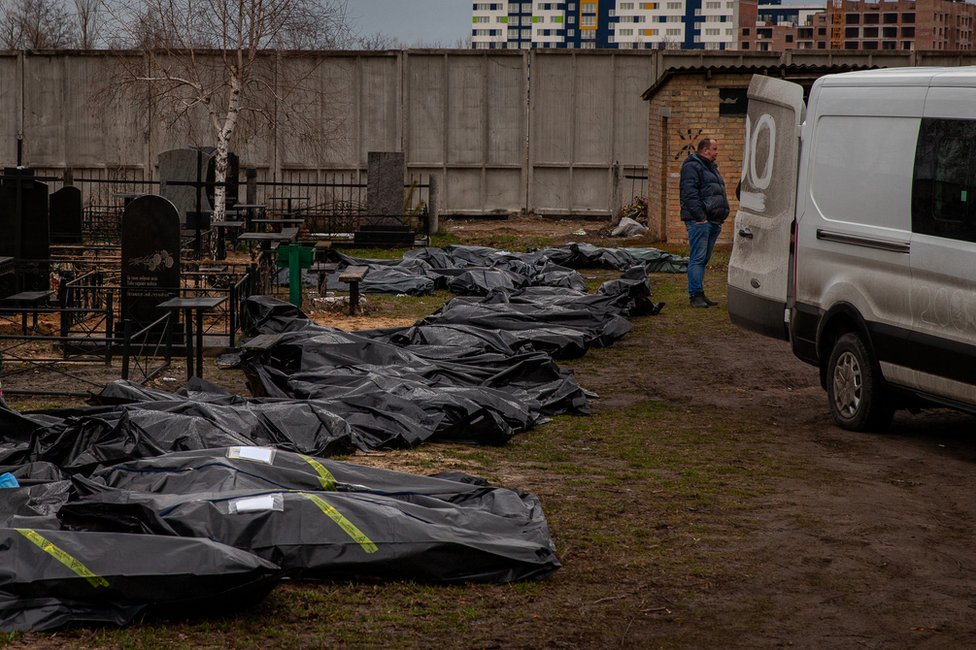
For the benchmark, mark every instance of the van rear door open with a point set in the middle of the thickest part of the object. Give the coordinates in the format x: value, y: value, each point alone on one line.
x: 759, y: 266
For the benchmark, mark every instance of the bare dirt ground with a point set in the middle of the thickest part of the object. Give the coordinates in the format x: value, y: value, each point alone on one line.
x: 802, y: 535
x: 865, y: 541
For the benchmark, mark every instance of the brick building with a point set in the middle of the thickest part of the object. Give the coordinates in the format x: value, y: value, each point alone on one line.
x: 688, y: 104
x: 937, y: 25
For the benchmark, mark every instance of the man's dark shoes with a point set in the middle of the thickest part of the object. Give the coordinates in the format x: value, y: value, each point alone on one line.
x: 708, y: 301
x: 698, y: 301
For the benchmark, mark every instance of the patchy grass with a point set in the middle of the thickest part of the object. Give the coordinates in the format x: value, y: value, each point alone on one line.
x: 642, y: 498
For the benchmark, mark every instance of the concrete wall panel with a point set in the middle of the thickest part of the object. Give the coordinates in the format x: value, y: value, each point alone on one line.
x: 44, y: 114
x: 506, y: 109
x: 9, y: 107
x: 339, y: 116
x: 503, y: 190
x: 590, y: 188
x: 318, y: 113
x: 427, y: 92
x: 553, y: 119
x: 467, y: 104
x: 551, y: 190
x: 170, y: 124
x: 380, y: 100
x: 98, y: 130
x: 462, y: 189
x: 632, y: 77
x: 465, y: 116
x: 593, y: 108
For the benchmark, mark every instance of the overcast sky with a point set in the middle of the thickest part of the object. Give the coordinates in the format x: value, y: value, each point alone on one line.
x: 428, y: 22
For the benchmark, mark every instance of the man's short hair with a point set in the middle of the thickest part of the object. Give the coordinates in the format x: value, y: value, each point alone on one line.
x: 704, y: 144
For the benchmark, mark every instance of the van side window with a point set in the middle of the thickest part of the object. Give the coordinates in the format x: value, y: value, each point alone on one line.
x: 944, y: 187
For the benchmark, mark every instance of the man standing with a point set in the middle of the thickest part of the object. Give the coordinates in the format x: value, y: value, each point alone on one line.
x: 704, y: 206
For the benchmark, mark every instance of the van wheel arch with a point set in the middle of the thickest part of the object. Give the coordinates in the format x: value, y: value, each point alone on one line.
x: 840, y: 320
x: 847, y: 358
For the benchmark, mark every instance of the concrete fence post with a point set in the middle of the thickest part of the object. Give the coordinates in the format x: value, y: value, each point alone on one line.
x: 432, y: 204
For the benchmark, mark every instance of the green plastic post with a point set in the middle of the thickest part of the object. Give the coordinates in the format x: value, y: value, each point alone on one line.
x: 294, y: 276
x: 296, y: 257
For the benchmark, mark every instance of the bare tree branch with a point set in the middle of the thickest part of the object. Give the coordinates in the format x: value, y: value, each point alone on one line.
x: 36, y: 25
x: 218, y: 62
x: 88, y: 14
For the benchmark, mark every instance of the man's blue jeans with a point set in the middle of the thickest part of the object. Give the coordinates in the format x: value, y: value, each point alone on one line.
x: 701, y: 240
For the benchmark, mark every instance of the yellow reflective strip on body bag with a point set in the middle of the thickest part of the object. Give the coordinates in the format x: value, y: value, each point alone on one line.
x: 63, y: 557
x: 350, y: 528
x: 325, y: 476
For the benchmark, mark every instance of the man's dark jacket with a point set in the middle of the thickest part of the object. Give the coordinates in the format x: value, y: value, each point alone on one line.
x: 702, y: 191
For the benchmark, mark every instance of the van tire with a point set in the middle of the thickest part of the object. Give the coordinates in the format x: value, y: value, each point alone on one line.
x: 857, y: 397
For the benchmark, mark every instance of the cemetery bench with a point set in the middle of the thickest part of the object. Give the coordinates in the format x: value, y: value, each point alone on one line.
x: 323, y: 269
x: 225, y: 230
x: 197, y: 223
x: 276, y: 225
x: 269, y: 241
x: 248, y: 211
x: 322, y: 248
x: 206, y: 272
x: 353, y: 275
x: 193, y: 306
x: 24, y: 303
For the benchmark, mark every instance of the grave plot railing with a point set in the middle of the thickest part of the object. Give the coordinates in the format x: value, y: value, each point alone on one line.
x: 235, y: 283
x: 85, y: 316
x: 31, y: 351
x: 106, y: 198
x: 85, y: 294
x: 239, y: 291
x: 141, y: 349
x: 101, y: 223
x: 337, y: 206
x: 81, y: 258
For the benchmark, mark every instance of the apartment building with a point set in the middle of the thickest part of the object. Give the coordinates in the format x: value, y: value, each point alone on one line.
x: 853, y: 25
x: 619, y: 24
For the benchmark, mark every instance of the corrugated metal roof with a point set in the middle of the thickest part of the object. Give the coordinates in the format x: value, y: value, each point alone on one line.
x: 784, y: 71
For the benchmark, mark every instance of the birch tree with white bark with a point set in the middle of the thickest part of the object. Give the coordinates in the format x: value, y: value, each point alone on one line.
x: 217, y: 56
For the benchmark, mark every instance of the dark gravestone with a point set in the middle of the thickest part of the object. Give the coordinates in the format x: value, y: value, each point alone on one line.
x: 66, y: 216
x: 150, y: 258
x: 384, y: 201
x: 384, y: 187
x: 233, y: 171
x: 24, y: 230
x: 181, y: 180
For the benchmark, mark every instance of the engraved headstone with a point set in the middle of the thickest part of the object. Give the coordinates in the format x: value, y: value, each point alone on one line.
x: 150, y: 257
x: 66, y: 213
x: 384, y: 224
x: 24, y: 228
x: 233, y: 171
x: 182, y: 173
x: 384, y: 187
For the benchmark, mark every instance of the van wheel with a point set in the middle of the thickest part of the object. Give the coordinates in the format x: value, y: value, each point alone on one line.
x: 854, y: 389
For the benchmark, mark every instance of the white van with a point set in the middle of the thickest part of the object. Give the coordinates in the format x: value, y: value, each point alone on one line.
x: 856, y: 235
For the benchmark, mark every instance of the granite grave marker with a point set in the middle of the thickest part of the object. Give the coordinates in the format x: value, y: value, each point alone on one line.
x: 24, y: 228
x: 178, y: 166
x: 66, y: 213
x: 150, y: 257
x: 384, y: 224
